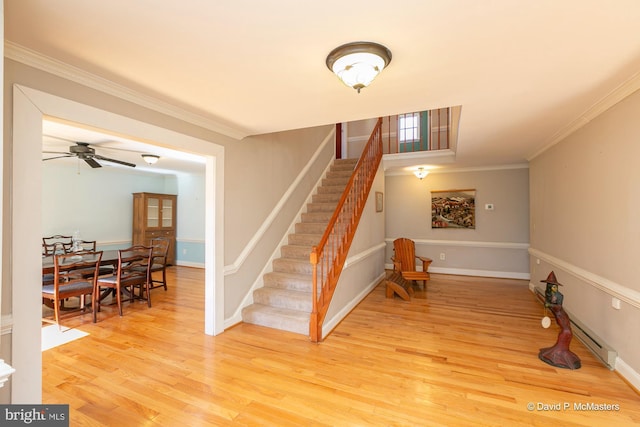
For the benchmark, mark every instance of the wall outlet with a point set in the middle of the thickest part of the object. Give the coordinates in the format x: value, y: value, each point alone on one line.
x: 184, y: 251
x: 442, y: 256
x: 488, y: 206
x: 615, y: 303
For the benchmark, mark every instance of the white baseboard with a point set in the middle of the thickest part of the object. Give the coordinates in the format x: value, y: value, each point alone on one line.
x: 189, y: 264
x: 628, y: 373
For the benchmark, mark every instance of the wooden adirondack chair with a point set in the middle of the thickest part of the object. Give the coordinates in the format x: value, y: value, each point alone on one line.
x: 404, y: 261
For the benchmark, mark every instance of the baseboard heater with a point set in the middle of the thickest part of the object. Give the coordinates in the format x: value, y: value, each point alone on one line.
x: 595, y: 344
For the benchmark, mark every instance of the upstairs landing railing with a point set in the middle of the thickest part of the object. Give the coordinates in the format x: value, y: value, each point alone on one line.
x: 329, y: 256
x: 415, y: 132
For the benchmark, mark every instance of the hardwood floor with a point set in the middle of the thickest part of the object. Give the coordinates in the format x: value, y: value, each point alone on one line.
x: 462, y: 353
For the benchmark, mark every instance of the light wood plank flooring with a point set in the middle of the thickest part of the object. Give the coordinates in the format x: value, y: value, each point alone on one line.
x: 462, y: 353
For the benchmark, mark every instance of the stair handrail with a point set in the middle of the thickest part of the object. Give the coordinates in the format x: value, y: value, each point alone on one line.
x: 328, y: 257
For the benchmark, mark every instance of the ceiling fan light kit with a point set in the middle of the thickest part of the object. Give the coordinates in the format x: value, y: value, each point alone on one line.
x: 151, y: 159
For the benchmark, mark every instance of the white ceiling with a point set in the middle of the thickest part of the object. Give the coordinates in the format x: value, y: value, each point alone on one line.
x: 523, y: 71
x: 59, y: 137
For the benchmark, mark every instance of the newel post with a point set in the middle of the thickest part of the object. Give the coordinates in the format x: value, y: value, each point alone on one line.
x: 313, y: 321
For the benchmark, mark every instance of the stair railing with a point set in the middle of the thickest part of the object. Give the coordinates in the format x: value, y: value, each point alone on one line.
x: 329, y: 256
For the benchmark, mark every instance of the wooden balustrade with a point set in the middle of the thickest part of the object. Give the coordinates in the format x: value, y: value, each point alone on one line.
x: 329, y: 256
x: 430, y: 131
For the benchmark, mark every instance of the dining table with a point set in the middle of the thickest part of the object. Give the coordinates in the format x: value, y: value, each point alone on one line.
x: 109, y: 257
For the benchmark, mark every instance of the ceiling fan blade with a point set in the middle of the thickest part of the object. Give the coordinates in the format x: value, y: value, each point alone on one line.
x: 58, y: 152
x: 58, y: 157
x: 93, y: 163
x: 120, y: 162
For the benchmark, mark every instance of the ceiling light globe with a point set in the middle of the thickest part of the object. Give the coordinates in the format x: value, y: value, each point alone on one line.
x: 358, y: 63
x: 358, y: 70
x: 421, y: 173
x: 150, y: 158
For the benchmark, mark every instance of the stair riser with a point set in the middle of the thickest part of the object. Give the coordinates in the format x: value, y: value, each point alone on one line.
x: 304, y: 239
x: 335, y: 182
x: 258, y: 317
x: 288, y: 265
x: 328, y: 197
x: 322, y: 217
x: 322, y: 207
x: 281, y: 281
x: 331, y: 189
x: 344, y: 165
x: 296, y: 251
x: 310, y: 228
x: 343, y: 175
x: 279, y: 298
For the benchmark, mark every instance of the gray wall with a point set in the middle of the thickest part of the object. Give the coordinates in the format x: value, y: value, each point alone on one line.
x: 98, y: 203
x: 95, y: 202
x: 585, y: 205
x: 497, y: 247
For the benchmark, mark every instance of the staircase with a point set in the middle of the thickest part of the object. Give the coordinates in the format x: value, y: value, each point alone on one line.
x: 285, y: 301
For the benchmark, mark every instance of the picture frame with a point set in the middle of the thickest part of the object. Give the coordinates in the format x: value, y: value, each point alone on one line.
x: 453, y: 209
x: 379, y: 201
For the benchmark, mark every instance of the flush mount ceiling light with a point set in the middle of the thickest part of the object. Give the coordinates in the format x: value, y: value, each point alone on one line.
x: 150, y: 158
x: 358, y: 63
x: 421, y: 173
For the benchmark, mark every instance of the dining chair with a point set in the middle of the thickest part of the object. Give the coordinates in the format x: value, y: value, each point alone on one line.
x: 133, y: 270
x: 160, y: 247
x: 84, y: 245
x: 70, y: 282
x: 56, y: 244
x: 90, y: 245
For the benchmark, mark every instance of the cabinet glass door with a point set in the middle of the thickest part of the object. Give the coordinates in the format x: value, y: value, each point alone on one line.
x: 167, y: 213
x: 153, y: 212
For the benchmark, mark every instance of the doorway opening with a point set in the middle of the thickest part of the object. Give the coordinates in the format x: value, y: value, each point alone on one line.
x: 30, y: 108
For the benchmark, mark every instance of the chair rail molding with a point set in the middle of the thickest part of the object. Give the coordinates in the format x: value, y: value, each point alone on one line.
x: 610, y: 287
x: 467, y: 243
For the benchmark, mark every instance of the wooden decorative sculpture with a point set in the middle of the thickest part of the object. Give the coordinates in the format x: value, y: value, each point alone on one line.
x: 559, y: 355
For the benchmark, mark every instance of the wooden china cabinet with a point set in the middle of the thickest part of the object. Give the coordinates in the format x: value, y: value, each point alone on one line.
x: 154, y: 215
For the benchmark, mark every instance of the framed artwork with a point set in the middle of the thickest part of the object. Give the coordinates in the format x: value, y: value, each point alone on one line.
x: 453, y: 209
x: 379, y: 201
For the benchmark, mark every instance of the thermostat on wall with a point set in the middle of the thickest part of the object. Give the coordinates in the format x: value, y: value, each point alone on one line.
x: 488, y: 206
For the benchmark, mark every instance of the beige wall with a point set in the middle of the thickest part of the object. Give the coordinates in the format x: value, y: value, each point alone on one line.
x: 268, y: 179
x: 497, y: 247
x: 585, y: 211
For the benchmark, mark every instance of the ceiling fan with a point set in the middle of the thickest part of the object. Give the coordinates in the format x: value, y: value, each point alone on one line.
x: 83, y: 151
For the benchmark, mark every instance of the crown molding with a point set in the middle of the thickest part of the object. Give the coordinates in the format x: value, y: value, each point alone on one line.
x: 44, y: 63
x: 618, y: 94
x: 399, y: 172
